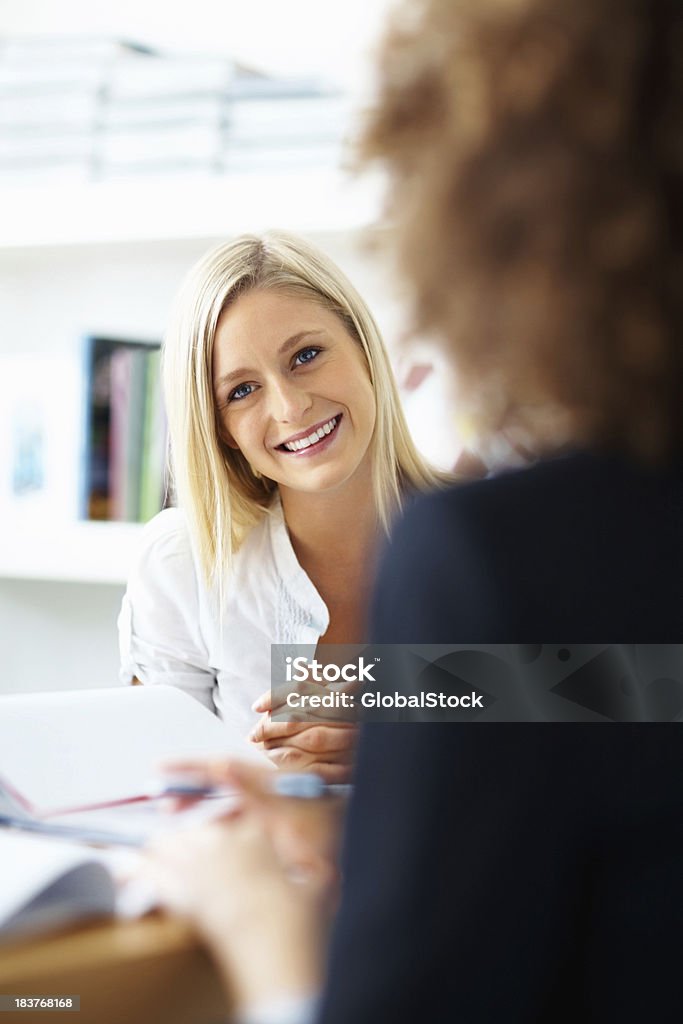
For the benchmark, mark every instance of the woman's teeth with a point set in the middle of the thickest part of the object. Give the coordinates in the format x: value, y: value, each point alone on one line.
x: 314, y: 438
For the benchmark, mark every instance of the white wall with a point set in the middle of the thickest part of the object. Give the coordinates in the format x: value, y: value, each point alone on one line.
x: 57, y: 636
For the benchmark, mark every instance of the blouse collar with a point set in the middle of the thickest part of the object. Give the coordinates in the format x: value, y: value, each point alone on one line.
x: 291, y: 572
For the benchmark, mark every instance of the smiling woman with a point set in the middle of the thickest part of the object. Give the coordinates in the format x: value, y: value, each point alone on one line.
x: 303, y: 412
x: 290, y: 458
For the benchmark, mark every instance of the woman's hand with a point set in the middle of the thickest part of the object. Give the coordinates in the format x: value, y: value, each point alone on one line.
x: 326, y: 748
x: 260, y: 887
x: 303, y: 832
x: 265, y: 927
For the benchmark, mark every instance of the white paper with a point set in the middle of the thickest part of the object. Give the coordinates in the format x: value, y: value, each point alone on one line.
x: 68, y: 749
x: 47, y: 882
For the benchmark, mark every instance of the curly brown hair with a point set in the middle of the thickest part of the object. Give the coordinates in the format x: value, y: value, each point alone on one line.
x: 534, y: 150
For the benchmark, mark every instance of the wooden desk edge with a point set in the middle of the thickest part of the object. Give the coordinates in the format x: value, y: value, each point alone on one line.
x: 154, y: 968
x: 92, y: 945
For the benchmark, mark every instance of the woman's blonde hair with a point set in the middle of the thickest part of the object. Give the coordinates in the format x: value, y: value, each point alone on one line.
x: 214, y: 484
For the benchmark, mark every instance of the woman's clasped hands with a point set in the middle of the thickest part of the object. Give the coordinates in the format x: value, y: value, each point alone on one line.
x: 314, y: 742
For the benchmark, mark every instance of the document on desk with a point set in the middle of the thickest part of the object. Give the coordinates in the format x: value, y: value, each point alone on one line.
x: 47, y: 883
x: 83, y: 763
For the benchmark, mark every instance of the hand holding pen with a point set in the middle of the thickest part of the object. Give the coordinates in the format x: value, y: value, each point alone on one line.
x: 301, y: 813
x: 293, y: 785
x: 261, y: 885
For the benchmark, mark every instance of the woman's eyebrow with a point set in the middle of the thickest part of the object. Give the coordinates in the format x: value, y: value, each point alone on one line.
x: 296, y: 338
x: 233, y: 375
x: 245, y: 371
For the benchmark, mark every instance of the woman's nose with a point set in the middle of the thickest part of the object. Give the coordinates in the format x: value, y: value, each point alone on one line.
x: 289, y: 402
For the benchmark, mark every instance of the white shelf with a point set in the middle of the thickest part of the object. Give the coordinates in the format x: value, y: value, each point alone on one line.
x: 163, y: 209
x: 73, y: 552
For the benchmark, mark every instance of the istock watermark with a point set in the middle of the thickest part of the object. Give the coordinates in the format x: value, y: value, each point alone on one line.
x: 303, y: 669
x: 480, y: 683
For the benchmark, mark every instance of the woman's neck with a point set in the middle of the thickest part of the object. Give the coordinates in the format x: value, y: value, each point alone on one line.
x: 335, y: 535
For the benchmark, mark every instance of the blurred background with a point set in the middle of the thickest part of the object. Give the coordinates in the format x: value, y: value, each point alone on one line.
x: 133, y: 137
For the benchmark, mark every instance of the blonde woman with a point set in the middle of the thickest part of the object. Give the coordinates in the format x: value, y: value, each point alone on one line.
x: 290, y: 458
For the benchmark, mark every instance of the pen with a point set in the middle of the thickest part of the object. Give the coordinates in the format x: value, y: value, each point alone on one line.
x: 296, y: 785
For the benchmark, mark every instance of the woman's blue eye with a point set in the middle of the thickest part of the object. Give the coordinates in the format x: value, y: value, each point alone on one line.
x: 307, y: 355
x: 241, y: 391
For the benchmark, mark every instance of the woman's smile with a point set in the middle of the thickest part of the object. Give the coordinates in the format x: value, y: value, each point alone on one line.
x: 313, y: 441
x: 293, y: 391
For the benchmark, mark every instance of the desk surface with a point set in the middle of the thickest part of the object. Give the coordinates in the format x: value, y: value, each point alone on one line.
x: 139, y: 972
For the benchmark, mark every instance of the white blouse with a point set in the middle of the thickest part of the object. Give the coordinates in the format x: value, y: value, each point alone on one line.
x: 169, y: 627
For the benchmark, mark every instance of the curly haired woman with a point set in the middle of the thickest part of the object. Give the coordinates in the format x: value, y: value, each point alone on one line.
x: 528, y: 872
